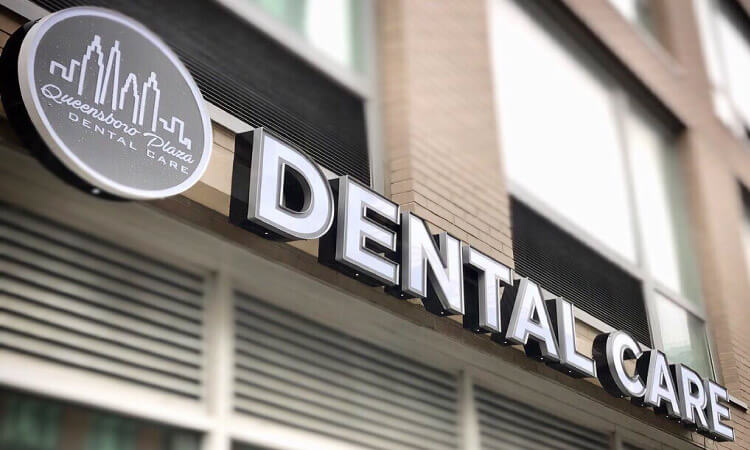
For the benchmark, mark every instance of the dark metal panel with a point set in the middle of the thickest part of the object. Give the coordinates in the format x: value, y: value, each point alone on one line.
x: 256, y: 79
x: 566, y: 267
x: 506, y: 423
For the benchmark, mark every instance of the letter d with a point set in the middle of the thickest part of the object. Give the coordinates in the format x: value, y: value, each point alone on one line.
x: 287, y: 195
x: 73, y: 117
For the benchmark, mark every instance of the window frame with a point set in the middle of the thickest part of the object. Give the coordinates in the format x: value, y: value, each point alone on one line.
x: 706, y: 12
x: 620, y: 97
x: 745, y: 224
x: 653, y: 42
x: 363, y: 85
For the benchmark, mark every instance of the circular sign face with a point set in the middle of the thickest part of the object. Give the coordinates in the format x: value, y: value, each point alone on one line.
x: 114, y: 104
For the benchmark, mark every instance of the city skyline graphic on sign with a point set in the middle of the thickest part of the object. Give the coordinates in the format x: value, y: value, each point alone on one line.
x: 140, y: 101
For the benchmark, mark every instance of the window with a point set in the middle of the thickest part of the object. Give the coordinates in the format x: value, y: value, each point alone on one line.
x: 588, y: 154
x: 725, y: 34
x: 683, y: 336
x: 259, y: 81
x: 642, y: 13
x: 556, y: 165
x: 331, y: 26
x: 33, y: 423
x: 746, y: 230
x: 660, y: 205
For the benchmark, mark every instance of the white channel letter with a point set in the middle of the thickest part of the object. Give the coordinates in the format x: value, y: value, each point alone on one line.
x: 609, y: 353
x: 270, y: 160
x: 522, y: 325
x: 490, y: 274
x: 659, y: 384
x: 565, y: 329
x: 716, y: 411
x: 354, y: 228
x: 423, y: 262
x: 691, y: 396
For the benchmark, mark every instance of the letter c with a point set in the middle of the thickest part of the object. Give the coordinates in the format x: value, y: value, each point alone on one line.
x: 610, y: 351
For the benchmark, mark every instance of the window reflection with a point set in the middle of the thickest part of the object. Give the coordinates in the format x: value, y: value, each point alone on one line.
x: 331, y: 26
x: 683, y: 337
x: 33, y: 423
x: 746, y: 231
x: 660, y: 205
x: 640, y: 13
x: 558, y: 130
x: 581, y: 145
x: 735, y: 48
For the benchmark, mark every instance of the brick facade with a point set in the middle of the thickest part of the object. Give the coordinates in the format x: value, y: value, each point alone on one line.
x: 440, y: 128
x: 715, y: 164
x: 443, y: 162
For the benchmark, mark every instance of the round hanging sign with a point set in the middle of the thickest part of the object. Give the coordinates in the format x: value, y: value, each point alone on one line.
x: 103, y: 102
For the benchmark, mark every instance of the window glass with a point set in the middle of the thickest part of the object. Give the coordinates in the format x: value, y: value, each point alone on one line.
x: 245, y: 447
x: 709, y: 44
x: 746, y: 233
x: 736, y: 55
x: 639, y: 12
x: 577, y: 144
x: 331, y: 26
x: 660, y: 203
x: 32, y: 423
x: 725, y: 39
x: 683, y: 336
x: 558, y: 130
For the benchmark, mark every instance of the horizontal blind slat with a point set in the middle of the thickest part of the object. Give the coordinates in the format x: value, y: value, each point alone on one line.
x: 335, y: 409
x: 266, y: 358
x: 333, y: 339
x: 121, y: 273
x: 95, y: 246
x: 359, y: 394
x: 81, y: 301
x: 326, y: 369
x: 93, y: 296
x: 505, y: 421
x: 99, y: 283
x: 97, y: 348
x: 317, y: 425
x: 272, y: 336
x: 99, y: 313
x: 500, y: 406
x: 295, y: 371
x: 501, y: 430
x: 98, y: 331
x: 56, y: 352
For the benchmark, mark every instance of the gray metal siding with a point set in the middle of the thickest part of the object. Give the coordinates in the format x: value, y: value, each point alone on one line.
x: 294, y: 371
x: 71, y: 298
x: 508, y: 424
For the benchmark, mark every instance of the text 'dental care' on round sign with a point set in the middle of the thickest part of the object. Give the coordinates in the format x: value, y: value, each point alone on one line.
x: 106, y: 104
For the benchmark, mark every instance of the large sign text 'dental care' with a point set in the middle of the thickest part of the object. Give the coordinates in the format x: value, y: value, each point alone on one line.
x: 280, y: 193
x: 106, y: 105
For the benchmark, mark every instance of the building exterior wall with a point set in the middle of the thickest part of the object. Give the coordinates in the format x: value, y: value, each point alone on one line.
x: 715, y: 163
x: 441, y: 132
x: 444, y: 163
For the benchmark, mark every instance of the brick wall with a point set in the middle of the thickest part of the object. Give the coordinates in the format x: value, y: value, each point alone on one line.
x: 444, y: 164
x: 715, y: 162
x: 440, y: 128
